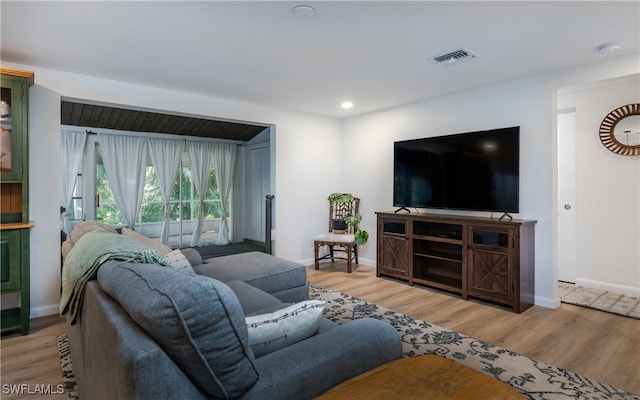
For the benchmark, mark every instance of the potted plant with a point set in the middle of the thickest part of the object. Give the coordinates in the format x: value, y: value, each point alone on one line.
x: 360, y: 236
x: 340, y: 225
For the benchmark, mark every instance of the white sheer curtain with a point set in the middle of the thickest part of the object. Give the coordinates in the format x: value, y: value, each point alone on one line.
x: 72, y: 144
x: 224, y: 158
x: 125, y: 161
x: 200, y: 155
x: 166, y: 155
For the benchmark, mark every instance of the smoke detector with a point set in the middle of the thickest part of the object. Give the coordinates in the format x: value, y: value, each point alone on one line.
x: 455, y: 57
x: 608, y: 48
x: 303, y: 11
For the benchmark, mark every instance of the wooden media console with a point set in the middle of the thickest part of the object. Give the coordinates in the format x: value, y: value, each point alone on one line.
x: 477, y: 257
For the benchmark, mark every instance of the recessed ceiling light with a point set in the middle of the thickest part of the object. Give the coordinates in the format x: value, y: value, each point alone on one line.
x: 346, y: 105
x: 608, y: 48
x: 303, y: 11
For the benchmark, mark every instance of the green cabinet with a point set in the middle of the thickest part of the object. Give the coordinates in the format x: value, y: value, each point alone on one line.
x: 14, y: 196
x: 10, y: 257
x: 14, y: 254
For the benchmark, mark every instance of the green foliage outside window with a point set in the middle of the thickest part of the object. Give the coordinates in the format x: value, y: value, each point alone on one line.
x: 152, y: 209
x: 108, y: 211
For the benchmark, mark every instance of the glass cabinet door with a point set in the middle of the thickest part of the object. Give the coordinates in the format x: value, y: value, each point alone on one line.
x: 12, y: 126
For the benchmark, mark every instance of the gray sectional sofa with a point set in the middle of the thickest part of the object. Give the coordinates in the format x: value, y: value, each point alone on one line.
x: 146, y: 331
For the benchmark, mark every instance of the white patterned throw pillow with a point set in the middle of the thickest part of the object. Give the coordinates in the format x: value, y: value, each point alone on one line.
x: 178, y: 261
x: 273, y: 331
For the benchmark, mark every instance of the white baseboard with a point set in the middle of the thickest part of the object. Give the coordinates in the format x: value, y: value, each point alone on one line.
x: 628, y: 290
x: 366, y: 261
x: 361, y: 261
x: 546, y: 302
x: 45, y: 310
x: 12, y: 300
x: 306, y: 261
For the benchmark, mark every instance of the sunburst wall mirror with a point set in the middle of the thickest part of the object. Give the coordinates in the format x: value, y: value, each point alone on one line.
x: 620, y: 130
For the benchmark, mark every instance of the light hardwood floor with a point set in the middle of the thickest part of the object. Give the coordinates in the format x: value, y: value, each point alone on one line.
x: 32, y: 360
x: 598, y: 345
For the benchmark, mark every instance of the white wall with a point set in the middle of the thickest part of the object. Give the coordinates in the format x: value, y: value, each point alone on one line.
x: 309, y: 162
x: 607, y: 190
x: 528, y: 103
x: 44, y: 192
x: 303, y: 173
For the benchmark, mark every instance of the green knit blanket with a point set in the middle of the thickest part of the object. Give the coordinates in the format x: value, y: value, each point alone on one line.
x: 87, y: 254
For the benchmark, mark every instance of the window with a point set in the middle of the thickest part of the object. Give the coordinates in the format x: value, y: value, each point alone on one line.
x: 75, y: 208
x: 106, y: 208
x: 183, y: 204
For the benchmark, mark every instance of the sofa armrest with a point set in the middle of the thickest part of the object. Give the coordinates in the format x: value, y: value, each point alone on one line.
x: 309, y: 368
x: 114, y: 358
x: 192, y: 256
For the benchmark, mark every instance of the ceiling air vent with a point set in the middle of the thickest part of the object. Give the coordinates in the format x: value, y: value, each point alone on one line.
x: 455, y: 57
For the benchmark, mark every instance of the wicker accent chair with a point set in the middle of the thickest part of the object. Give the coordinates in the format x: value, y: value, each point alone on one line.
x: 338, y: 242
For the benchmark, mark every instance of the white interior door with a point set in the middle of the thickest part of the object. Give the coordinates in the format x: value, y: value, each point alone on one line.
x: 567, y: 196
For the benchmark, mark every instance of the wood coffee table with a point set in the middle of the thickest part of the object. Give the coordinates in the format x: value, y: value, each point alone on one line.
x: 423, y: 377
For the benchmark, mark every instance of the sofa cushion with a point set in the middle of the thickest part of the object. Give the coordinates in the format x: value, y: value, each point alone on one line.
x: 197, y: 321
x: 253, y: 300
x: 65, y: 248
x: 154, y: 244
x: 264, y: 271
x: 192, y: 255
x: 85, y: 227
x: 289, y: 325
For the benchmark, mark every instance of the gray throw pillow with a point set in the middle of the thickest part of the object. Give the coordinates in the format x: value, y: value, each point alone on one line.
x: 197, y: 321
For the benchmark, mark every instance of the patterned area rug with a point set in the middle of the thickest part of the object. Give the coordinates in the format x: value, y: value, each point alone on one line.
x: 535, y: 379
x: 604, y: 300
x: 68, y: 379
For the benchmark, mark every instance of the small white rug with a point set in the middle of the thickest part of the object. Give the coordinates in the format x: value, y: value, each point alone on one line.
x: 604, y: 300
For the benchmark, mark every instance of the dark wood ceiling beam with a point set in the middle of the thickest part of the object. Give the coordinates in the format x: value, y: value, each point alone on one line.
x: 128, y: 122
x: 65, y: 113
x: 105, y: 116
x: 174, y: 124
x: 96, y: 116
x: 189, y: 125
x: 86, y: 113
x: 160, y: 122
x: 114, y: 117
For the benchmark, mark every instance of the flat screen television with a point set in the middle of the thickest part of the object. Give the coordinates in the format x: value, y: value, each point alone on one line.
x: 467, y: 171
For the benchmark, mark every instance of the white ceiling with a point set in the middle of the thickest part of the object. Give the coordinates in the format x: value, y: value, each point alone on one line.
x: 376, y: 54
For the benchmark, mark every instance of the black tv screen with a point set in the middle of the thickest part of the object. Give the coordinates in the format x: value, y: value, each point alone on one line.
x: 467, y: 171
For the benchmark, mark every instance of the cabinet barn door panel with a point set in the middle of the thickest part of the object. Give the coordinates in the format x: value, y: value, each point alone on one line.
x: 4, y: 260
x: 490, y: 276
x: 394, y: 255
x: 10, y: 256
